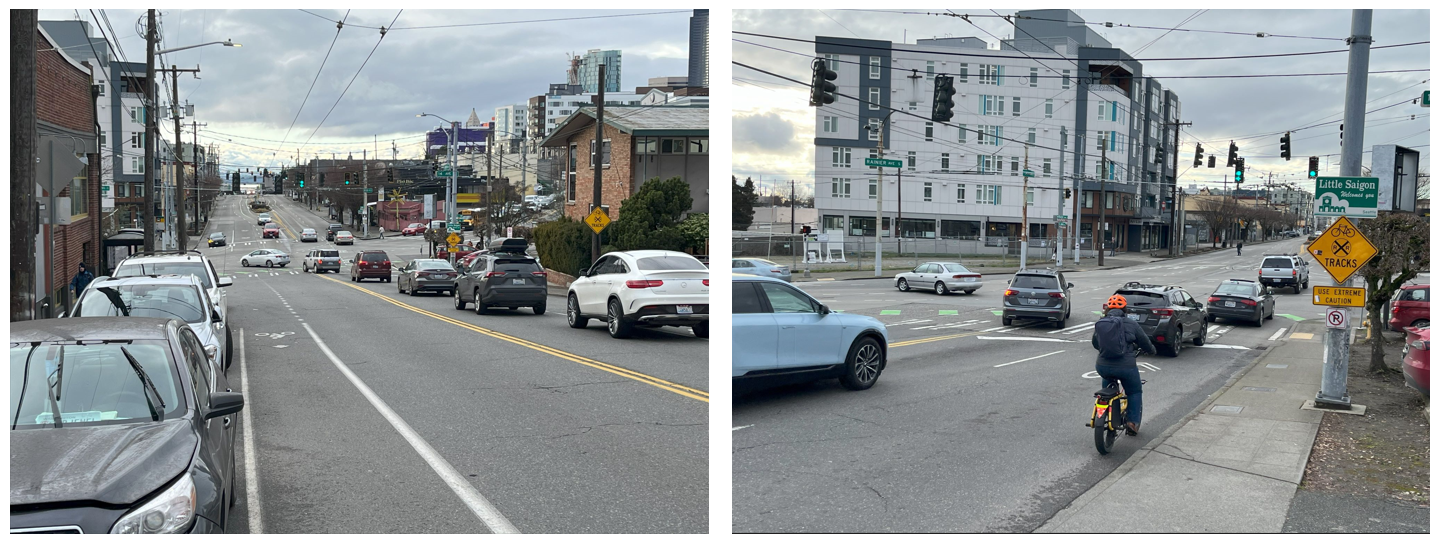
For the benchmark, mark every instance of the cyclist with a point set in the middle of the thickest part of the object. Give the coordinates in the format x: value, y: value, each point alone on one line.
x: 1114, y: 336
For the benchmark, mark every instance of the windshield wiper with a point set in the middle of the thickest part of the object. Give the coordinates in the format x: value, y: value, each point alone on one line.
x: 145, y: 380
x: 24, y: 385
x: 50, y: 389
x: 115, y: 299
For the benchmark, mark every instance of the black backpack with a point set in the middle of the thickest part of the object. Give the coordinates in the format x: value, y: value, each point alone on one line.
x: 1110, y: 335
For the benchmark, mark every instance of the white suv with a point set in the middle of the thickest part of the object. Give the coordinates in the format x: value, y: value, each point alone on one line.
x: 180, y: 297
x: 642, y: 288
x: 185, y: 263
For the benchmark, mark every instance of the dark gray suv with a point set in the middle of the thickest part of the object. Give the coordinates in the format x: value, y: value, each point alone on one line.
x: 502, y: 279
x: 1040, y: 294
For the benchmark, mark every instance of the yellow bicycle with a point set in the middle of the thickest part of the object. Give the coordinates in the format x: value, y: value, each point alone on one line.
x: 1108, y: 418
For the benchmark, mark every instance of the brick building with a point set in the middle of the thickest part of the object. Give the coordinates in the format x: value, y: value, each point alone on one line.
x: 639, y: 144
x: 65, y: 116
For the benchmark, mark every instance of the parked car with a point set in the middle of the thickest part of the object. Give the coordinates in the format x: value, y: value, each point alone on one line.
x: 344, y: 238
x: 1241, y: 299
x: 171, y: 296
x: 1410, y: 307
x: 642, y: 288
x: 370, y: 265
x: 263, y: 219
x: 1416, y: 364
x: 268, y: 258
x: 331, y: 231
x: 760, y: 267
x: 1285, y: 270
x: 413, y: 229
x: 271, y: 230
x: 504, y: 279
x: 426, y: 274
x: 308, y: 235
x: 190, y: 263
x: 462, y: 251
x: 782, y: 335
x: 147, y: 444
x: 321, y: 260
x: 217, y: 239
x: 940, y: 277
x: 1037, y: 293
x: 1167, y: 313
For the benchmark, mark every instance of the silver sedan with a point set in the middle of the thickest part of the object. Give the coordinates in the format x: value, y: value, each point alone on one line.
x: 940, y: 277
x: 760, y: 267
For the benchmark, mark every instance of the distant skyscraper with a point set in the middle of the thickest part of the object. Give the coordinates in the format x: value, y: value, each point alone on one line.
x: 589, y: 71
x: 700, y: 49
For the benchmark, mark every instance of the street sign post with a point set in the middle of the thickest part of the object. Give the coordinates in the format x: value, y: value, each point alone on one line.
x: 1341, y: 249
x: 1026, y: 173
x: 1339, y: 296
x: 453, y: 239
x: 1337, y: 317
x: 1356, y: 197
x: 597, y: 220
x: 882, y: 163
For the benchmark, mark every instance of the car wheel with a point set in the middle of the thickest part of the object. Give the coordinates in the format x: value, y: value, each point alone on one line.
x: 1271, y: 315
x: 539, y: 309
x: 459, y: 304
x: 902, y: 285
x: 1209, y: 318
x: 1200, y: 339
x: 245, y: 262
x: 1060, y: 324
x: 1171, y: 351
x: 940, y: 288
x: 572, y: 313
x: 387, y: 280
x: 1418, y: 323
x: 352, y: 277
x: 269, y: 264
x: 616, y: 324
x: 701, y: 330
x: 1006, y: 321
x: 862, y: 365
x: 480, y: 306
x: 229, y: 349
x: 969, y: 291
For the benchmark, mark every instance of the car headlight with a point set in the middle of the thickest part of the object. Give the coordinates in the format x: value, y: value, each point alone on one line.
x: 170, y: 512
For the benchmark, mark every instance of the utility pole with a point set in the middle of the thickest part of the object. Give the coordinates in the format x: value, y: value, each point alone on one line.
x: 180, y: 233
x: 149, y: 108
x: 1101, y: 242
x: 880, y: 192
x: 595, y: 158
x: 1176, y: 248
x: 489, y: 183
x: 23, y: 210
x: 195, y: 158
x: 1333, y: 390
x: 792, y: 206
x: 364, y: 196
x: 1059, y: 231
x: 1025, y: 209
x: 899, y: 208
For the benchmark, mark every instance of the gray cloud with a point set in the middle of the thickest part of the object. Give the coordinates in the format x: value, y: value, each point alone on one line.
x: 765, y: 132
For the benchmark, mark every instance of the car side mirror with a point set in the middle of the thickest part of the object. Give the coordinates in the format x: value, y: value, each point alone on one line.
x: 584, y: 272
x: 1069, y: 285
x: 226, y: 281
x: 824, y: 310
x: 215, y: 315
x: 210, y: 351
x: 225, y: 404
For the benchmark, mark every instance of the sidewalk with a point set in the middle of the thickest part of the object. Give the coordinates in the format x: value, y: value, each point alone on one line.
x: 1231, y: 466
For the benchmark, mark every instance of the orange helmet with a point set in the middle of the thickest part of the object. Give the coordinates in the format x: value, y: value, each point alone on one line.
x: 1116, y: 301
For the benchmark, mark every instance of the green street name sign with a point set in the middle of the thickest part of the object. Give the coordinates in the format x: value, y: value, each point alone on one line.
x: 1028, y: 173
x: 369, y: 189
x: 882, y: 163
x: 1353, y: 197
x: 1425, y: 100
x: 444, y: 173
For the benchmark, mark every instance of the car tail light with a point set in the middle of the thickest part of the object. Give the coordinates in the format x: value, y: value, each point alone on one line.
x: 1213, y: 300
x: 1163, y: 312
x: 364, y: 263
x: 1294, y: 273
x: 1159, y: 339
x: 643, y: 283
x: 538, y: 274
x: 423, y: 274
x: 386, y: 263
x: 451, y: 274
x: 1420, y: 345
x: 494, y: 274
x: 1009, y: 292
x: 777, y: 270
x: 706, y: 282
x: 1248, y: 302
x: 1057, y: 295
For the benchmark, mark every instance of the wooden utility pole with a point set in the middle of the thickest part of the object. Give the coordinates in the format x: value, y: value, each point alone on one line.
x: 181, y: 235
x: 23, y: 211
x: 1025, y: 209
x: 595, y: 155
x: 148, y: 106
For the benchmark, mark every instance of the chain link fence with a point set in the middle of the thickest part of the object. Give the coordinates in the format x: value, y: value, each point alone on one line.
x: 857, y: 253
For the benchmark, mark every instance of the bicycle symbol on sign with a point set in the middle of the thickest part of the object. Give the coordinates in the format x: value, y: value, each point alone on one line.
x: 277, y: 335
x: 1338, y: 231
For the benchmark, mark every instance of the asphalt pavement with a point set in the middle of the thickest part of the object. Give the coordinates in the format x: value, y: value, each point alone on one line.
x: 973, y: 427
x: 370, y: 411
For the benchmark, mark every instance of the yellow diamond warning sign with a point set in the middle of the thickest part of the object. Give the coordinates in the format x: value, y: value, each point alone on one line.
x: 1342, y: 249
x: 1339, y: 296
x: 597, y: 220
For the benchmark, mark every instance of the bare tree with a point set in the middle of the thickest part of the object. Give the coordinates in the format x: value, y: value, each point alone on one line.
x: 1216, y: 214
x: 1403, y: 242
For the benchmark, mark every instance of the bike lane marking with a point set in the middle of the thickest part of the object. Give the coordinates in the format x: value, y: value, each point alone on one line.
x: 1029, y: 359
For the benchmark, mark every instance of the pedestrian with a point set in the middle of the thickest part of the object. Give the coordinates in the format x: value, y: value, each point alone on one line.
x: 1239, y: 245
x: 382, y: 232
x: 81, y: 280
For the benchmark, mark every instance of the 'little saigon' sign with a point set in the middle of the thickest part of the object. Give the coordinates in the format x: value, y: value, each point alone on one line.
x: 1356, y: 197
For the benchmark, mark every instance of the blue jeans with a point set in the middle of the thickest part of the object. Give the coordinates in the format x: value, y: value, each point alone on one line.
x: 1129, y: 379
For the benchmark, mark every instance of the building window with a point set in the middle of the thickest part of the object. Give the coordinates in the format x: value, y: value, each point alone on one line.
x: 839, y: 157
x: 928, y: 191
x: 992, y: 74
x: 1032, y: 136
x: 874, y: 97
x: 992, y: 195
x: 1014, y: 165
x: 910, y: 159
x: 1099, y: 140
x: 137, y: 115
x: 604, y: 153
x: 672, y: 146
x: 874, y: 153
x: 945, y: 161
x: 697, y: 146
x: 646, y: 145
x: 570, y: 179
x: 833, y: 62
x: 960, y: 193
x: 914, y: 105
x: 839, y: 188
x: 874, y: 67
x: 871, y: 189
x: 1087, y: 200
x: 874, y: 129
x: 1034, y: 77
x: 1015, y: 106
x: 102, y: 138
x: 929, y: 131
x: 832, y: 223
x: 1109, y: 200
x: 996, y: 133
x: 1049, y: 108
x: 930, y: 70
x: 1046, y: 166
x: 137, y: 164
x: 1100, y: 110
x: 831, y: 124
x: 137, y: 139
x: 964, y: 73
x: 962, y: 135
x: 1030, y: 197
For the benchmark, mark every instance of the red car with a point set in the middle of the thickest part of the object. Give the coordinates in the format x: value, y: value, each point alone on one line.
x: 1417, y: 359
x: 271, y: 231
x: 1410, y: 307
x: 413, y: 229
x: 464, y: 250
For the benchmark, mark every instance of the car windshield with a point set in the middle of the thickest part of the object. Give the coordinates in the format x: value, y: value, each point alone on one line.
x: 374, y: 257
x: 1035, y: 282
x: 1276, y: 263
x: 196, y: 269
x: 1236, y: 289
x: 93, y: 385
x: 217, y: 235
x: 431, y: 264
x: 345, y: 233
x: 516, y: 265
x: 670, y: 263
x: 1137, y: 298
x: 181, y: 302
x: 764, y: 261
x: 330, y: 254
x: 955, y: 268
x: 272, y: 226
x: 308, y: 231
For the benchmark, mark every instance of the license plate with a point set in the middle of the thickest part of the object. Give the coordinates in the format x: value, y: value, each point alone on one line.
x: 684, y: 309
x: 1230, y: 304
x: 1032, y: 301
x: 517, y: 281
x: 1135, y: 317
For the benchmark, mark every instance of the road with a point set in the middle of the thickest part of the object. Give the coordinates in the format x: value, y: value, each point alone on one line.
x: 368, y: 411
x: 974, y: 427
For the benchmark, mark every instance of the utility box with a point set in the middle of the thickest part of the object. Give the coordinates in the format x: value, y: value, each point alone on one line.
x: 62, y: 210
x: 1397, y: 168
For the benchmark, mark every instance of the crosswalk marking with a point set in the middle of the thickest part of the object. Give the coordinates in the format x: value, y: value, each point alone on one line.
x: 1074, y: 329
x: 948, y: 326
x: 909, y: 322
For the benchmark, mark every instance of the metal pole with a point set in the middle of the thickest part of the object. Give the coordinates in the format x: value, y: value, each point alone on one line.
x: 1025, y: 209
x: 195, y: 157
x: 899, y: 197
x: 879, y: 190
x: 792, y: 207
x: 1333, y: 392
x: 364, y: 197
x: 1060, y: 231
x: 1101, y: 245
x: 451, y: 203
x: 595, y: 159
x: 148, y: 107
x: 181, y: 236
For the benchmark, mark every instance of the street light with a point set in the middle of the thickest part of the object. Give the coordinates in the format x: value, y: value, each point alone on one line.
x: 450, y: 204
x: 223, y: 42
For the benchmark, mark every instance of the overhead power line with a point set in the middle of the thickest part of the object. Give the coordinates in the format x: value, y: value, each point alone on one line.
x: 339, y: 26
x: 1108, y: 24
x: 517, y: 22
x: 352, y: 78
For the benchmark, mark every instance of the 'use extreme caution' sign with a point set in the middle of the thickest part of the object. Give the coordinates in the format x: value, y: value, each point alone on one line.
x: 1339, y: 296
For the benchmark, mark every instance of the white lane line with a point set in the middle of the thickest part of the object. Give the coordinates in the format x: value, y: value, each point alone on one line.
x: 737, y: 428
x: 478, y: 504
x: 1008, y: 330
x: 1213, y: 346
x: 910, y: 322
x: 252, y: 480
x: 1028, y: 359
x: 1278, y: 333
x: 1074, y: 328
x: 1011, y: 338
x: 1081, y: 329
x: 991, y: 329
x: 1152, y: 367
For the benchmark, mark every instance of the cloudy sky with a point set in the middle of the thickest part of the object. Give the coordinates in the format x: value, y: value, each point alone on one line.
x: 773, y: 127
x: 248, y: 96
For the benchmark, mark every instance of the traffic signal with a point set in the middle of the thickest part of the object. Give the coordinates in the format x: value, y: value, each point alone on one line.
x: 1342, y: 134
x: 1285, y: 146
x: 1212, y: 161
x: 1234, y: 154
x: 1067, y: 192
x: 1314, y: 167
x: 1199, y: 155
x: 943, y: 108
x: 1239, y: 170
x: 1159, y: 155
x: 301, y: 178
x: 389, y: 175
x: 322, y: 179
x: 804, y: 230
x: 347, y: 178
x: 822, y: 83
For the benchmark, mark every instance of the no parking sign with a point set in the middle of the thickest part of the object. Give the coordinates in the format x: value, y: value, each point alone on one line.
x: 1336, y: 317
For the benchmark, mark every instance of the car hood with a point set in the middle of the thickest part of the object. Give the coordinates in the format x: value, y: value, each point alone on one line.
x: 862, y: 321
x: 116, y: 465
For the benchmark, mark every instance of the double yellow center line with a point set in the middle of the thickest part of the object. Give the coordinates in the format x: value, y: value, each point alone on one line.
x: 942, y: 338
x: 672, y: 387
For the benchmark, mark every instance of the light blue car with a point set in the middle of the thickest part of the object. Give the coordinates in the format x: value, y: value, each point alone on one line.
x: 760, y: 267
x: 783, y: 335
